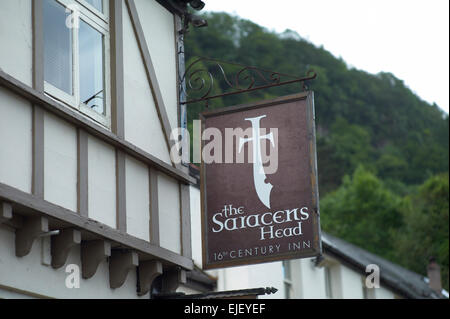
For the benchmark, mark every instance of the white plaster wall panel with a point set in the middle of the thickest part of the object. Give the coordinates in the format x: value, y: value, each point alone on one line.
x: 16, y: 34
x: 312, y: 280
x: 383, y: 293
x: 268, y: 275
x: 169, y: 213
x: 253, y: 276
x: 138, y: 199
x: 102, y: 182
x: 233, y: 278
x: 15, y: 140
x: 142, y: 125
x: 159, y: 30
x: 352, y: 284
x: 38, y: 280
x: 60, y: 162
x: 196, y: 233
x: 297, y: 291
x: 337, y: 281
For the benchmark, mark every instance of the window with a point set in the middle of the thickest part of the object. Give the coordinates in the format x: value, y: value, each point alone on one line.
x: 76, y: 56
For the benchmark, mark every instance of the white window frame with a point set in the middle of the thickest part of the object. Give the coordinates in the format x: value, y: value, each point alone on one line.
x: 100, y: 22
x: 103, y: 15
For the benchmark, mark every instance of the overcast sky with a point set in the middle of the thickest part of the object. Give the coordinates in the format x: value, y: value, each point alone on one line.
x: 408, y: 38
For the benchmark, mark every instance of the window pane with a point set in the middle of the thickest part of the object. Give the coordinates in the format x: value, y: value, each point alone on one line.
x: 57, y: 47
x: 97, y: 4
x: 91, y: 68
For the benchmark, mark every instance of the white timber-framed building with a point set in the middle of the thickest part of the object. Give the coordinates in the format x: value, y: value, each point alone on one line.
x: 89, y: 95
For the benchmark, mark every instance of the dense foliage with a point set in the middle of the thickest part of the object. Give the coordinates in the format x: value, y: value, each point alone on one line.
x: 396, y: 205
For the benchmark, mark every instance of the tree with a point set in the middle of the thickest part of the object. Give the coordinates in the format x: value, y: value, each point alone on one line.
x: 364, y: 212
x: 425, y: 232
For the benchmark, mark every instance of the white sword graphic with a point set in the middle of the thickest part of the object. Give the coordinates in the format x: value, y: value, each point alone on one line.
x: 263, y: 189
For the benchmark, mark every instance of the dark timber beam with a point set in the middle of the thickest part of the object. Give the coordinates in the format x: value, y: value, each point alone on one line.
x: 121, y: 197
x: 25, y: 202
x: 38, y: 152
x: 82, y: 167
x: 117, y: 72
x: 154, y: 207
x: 38, y: 113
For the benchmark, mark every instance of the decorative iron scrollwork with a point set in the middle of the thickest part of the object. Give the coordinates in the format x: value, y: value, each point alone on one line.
x: 198, y: 82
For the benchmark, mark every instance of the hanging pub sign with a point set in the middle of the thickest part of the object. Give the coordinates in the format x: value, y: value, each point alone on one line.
x: 259, y: 183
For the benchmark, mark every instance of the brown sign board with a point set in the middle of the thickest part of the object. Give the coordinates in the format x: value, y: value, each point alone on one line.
x: 264, y: 205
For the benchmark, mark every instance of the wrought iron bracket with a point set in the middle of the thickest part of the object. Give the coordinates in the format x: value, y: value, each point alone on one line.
x: 201, y: 75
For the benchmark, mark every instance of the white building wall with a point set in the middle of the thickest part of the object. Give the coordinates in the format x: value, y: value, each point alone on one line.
x: 159, y: 30
x: 137, y: 199
x: 102, y: 182
x: 142, y: 125
x: 232, y: 278
x: 38, y: 280
x: 15, y: 139
x: 169, y: 213
x: 142, y: 128
x: 253, y: 276
x: 336, y: 281
x: 16, y: 34
x: 268, y: 275
x: 60, y: 162
x: 308, y: 280
x: 351, y: 283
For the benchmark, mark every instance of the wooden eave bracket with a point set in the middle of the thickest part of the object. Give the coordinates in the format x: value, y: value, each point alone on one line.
x: 8, y: 218
x: 6, y: 213
x: 172, y: 279
x: 62, y: 244
x: 31, y: 229
x: 120, y: 263
x: 92, y: 254
x: 148, y: 272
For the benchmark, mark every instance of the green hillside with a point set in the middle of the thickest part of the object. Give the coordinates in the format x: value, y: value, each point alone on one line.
x: 380, y: 147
